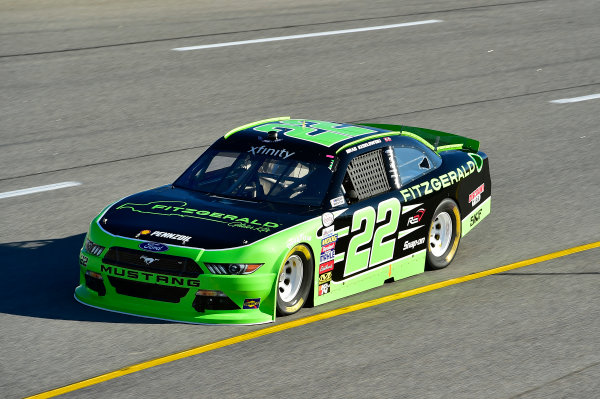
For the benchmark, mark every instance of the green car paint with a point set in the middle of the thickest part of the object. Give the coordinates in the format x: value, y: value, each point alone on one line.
x: 373, y: 233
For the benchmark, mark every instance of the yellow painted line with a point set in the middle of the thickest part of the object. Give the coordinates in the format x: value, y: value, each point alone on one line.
x: 307, y: 320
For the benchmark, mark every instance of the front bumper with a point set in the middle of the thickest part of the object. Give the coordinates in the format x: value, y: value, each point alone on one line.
x: 246, y: 299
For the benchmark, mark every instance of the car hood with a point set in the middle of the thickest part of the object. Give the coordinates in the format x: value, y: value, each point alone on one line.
x: 181, y: 217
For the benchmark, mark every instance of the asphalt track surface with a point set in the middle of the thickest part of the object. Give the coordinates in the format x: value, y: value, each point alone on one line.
x: 93, y: 93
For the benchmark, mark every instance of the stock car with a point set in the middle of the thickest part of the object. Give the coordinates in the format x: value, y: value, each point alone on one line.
x: 284, y: 213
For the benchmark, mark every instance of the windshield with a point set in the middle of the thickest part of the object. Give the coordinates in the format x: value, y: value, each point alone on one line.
x: 244, y: 175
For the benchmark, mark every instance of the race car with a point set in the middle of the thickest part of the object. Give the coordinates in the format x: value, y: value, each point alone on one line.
x: 284, y: 213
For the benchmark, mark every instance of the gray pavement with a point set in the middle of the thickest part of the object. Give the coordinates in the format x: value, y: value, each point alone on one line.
x: 93, y: 93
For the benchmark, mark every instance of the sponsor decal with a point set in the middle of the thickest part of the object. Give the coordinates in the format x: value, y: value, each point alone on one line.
x: 323, y: 289
x: 329, y: 240
x: 475, y: 196
x: 262, y: 150
x: 437, y: 183
x: 83, y: 260
x: 328, y: 247
x: 393, y: 169
x: 327, y: 219
x: 478, y: 161
x: 476, y: 217
x: 296, y: 240
x: 149, y: 277
x: 171, y: 236
x: 387, y: 139
x: 416, y: 218
x: 413, y: 244
x: 325, y: 278
x: 326, y: 267
x: 179, y: 208
x: 338, y: 201
x: 327, y: 256
x: 163, y: 234
x: 327, y: 231
x: 148, y: 260
x: 363, y: 145
x: 153, y: 246
x: 251, y: 303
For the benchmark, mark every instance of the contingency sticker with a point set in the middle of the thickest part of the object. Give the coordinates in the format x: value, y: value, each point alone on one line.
x: 251, y: 303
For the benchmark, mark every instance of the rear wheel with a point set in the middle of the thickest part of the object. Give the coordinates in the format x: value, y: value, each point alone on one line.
x: 293, y: 284
x: 444, y: 235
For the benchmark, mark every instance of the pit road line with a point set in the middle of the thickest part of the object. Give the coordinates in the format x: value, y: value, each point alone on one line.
x: 576, y: 99
x: 307, y: 35
x: 39, y: 189
x: 306, y: 320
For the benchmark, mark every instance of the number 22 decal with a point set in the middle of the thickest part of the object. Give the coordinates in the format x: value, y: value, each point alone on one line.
x: 380, y: 250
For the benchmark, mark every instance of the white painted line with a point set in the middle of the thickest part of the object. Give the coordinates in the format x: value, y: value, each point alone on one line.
x: 39, y: 189
x: 576, y: 99
x: 332, y: 32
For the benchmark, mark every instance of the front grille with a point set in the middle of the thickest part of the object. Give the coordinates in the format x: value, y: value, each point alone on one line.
x: 152, y: 262
x: 147, y: 290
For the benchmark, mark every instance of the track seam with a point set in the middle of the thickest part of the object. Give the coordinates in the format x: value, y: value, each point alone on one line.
x: 264, y: 29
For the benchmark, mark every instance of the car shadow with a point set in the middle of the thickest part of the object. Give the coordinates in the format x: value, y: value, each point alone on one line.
x: 38, y: 279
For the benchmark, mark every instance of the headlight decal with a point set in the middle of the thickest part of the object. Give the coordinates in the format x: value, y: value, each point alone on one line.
x: 232, y: 268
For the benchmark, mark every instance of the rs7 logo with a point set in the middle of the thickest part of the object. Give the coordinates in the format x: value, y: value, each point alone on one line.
x: 380, y: 250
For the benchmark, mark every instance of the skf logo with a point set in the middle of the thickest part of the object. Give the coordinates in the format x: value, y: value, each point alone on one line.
x: 326, y: 267
x: 475, y: 196
x: 251, y: 303
x: 417, y: 218
x: 475, y: 218
x: 262, y: 150
x: 323, y: 289
x: 325, y: 278
x: 148, y: 260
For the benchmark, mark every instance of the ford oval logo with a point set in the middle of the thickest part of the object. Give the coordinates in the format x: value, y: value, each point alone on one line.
x: 153, y: 246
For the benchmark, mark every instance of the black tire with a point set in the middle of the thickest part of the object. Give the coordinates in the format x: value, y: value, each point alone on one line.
x: 443, y: 236
x: 293, y: 294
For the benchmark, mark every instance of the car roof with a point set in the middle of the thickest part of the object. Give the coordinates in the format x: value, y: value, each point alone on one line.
x: 310, y: 135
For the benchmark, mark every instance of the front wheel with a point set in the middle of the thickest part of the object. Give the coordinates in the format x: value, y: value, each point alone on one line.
x: 444, y: 235
x: 295, y: 276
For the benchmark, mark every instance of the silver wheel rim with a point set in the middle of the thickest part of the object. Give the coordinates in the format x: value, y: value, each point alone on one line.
x: 290, y: 278
x: 440, y: 234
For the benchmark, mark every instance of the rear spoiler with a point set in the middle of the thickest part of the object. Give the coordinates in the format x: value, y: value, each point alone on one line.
x: 434, y: 139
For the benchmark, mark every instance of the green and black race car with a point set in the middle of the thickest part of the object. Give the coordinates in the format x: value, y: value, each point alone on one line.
x: 283, y: 213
